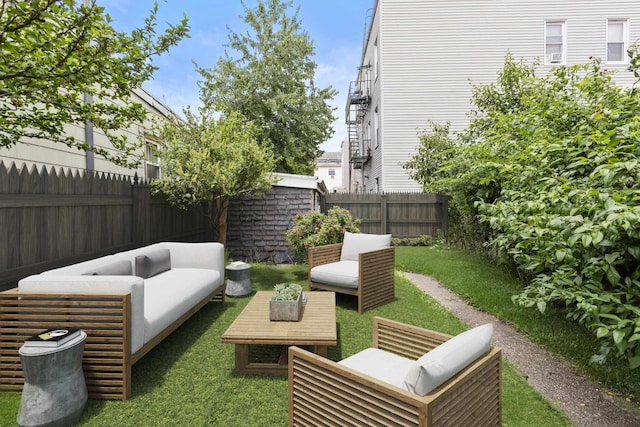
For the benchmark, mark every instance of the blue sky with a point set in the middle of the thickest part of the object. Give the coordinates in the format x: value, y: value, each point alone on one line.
x: 336, y: 28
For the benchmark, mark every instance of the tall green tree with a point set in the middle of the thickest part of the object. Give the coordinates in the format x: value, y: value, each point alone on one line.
x: 269, y: 78
x: 53, y: 52
x: 210, y: 160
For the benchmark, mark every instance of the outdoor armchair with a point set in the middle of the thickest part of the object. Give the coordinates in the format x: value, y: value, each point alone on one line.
x: 362, y: 265
x: 408, y: 378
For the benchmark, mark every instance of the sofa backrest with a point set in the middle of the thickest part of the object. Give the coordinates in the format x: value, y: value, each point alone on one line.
x: 80, y: 268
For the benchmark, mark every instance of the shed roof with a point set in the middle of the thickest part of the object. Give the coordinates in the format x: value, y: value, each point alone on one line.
x: 299, y: 181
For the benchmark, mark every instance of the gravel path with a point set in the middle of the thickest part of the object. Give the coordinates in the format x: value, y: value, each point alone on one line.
x: 585, y: 403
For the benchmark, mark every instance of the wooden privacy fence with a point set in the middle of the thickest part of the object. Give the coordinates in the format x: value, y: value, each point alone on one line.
x: 400, y: 214
x: 50, y: 218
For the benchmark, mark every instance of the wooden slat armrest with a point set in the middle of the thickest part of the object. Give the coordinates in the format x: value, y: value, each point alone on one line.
x: 405, y: 340
x: 325, y: 254
x: 324, y: 393
x: 375, y: 264
x: 377, y: 281
x: 104, y: 317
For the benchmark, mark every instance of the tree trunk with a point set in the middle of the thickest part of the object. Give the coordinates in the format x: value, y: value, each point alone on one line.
x: 220, y: 219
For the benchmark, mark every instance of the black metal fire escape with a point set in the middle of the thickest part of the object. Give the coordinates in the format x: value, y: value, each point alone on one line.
x: 357, y: 106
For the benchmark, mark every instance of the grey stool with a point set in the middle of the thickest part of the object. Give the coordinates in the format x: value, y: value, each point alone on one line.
x: 238, y: 279
x: 54, y: 392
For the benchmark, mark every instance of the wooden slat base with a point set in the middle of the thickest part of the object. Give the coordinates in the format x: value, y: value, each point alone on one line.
x: 107, y: 359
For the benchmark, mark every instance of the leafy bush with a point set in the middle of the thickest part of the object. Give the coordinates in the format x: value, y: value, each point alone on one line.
x: 550, y: 167
x: 315, y: 229
x: 569, y: 212
x: 414, y: 241
x: 467, y: 166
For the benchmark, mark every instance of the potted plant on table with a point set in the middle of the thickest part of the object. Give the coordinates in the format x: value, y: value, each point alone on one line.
x: 286, y: 302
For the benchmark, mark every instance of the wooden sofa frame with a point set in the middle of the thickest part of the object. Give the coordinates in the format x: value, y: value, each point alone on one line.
x: 325, y: 393
x: 106, y: 318
x: 376, y: 274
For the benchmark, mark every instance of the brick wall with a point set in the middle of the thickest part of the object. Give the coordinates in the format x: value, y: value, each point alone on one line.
x: 256, y: 225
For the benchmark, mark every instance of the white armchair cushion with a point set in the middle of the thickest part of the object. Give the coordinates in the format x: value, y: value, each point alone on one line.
x: 380, y: 364
x: 341, y: 273
x: 447, y: 359
x: 355, y: 243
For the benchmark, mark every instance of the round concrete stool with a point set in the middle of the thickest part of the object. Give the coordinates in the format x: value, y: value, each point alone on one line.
x: 54, y: 392
x: 238, y: 279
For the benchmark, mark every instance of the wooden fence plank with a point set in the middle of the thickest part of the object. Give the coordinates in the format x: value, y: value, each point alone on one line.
x: 400, y: 214
x: 51, y: 218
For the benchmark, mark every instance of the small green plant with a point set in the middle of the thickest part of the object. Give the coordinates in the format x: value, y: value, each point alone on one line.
x: 316, y: 229
x: 423, y: 240
x: 286, y: 292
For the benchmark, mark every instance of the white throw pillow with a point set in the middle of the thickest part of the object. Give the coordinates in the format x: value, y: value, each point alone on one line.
x: 355, y: 243
x: 447, y: 359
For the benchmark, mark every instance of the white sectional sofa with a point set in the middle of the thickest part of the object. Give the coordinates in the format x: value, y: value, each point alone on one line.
x: 127, y: 303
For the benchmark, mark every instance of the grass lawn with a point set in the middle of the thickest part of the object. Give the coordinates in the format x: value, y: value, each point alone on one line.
x: 489, y: 287
x: 188, y: 379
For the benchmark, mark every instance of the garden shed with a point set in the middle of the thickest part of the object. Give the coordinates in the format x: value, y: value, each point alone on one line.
x: 256, y: 224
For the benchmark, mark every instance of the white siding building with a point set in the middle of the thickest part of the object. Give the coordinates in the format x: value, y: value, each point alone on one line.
x: 329, y: 169
x: 420, y: 58
x: 41, y: 153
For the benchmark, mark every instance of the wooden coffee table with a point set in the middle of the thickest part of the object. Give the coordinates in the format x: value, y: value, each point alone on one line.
x: 317, y: 328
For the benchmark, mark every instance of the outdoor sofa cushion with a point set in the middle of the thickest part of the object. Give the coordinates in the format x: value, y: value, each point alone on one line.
x: 169, y: 295
x: 355, y: 243
x: 341, y: 273
x: 152, y: 263
x: 114, y: 268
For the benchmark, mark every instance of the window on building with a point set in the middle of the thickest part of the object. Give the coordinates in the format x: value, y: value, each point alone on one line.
x: 554, y: 42
x: 332, y: 173
x: 151, y: 160
x: 616, y: 40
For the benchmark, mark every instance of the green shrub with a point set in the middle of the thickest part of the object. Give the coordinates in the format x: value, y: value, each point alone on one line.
x: 549, y: 170
x: 570, y: 214
x: 415, y: 241
x: 316, y: 229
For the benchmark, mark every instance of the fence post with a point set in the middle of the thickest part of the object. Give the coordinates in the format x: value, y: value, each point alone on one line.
x: 141, y: 221
x: 383, y: 213
x: 444, y: 213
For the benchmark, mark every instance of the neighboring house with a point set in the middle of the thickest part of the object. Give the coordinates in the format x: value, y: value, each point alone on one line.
x: 329, y: 169
x: 42, y: 153
x: 420, y: 58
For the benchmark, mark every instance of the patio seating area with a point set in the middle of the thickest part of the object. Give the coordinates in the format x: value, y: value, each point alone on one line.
x: 190, y: 375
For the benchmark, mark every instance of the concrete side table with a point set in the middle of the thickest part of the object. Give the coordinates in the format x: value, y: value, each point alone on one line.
x: 238, y: 279
x: 54, y: 392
